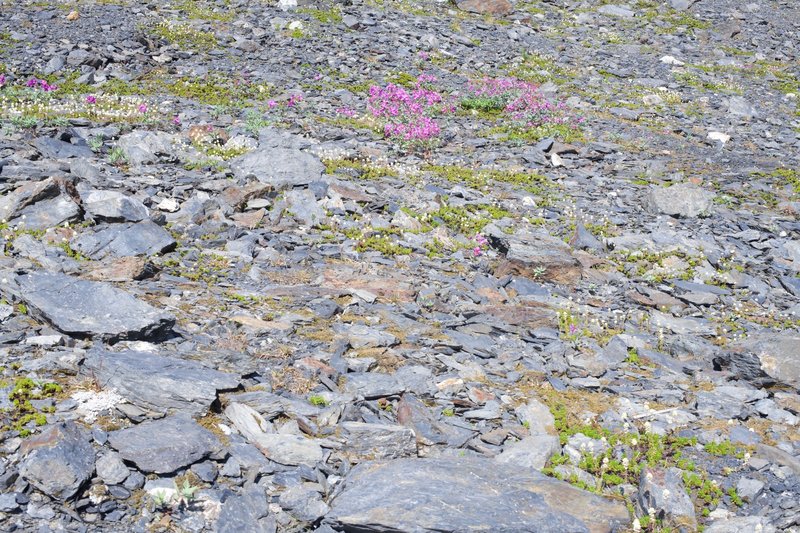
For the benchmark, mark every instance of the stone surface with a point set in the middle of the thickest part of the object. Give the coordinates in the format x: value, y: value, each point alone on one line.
x: 279, y: 167
x: 88, y: 308
x: 58, y: 461
x: 681, y: 200
x: 465, y: 493
x: 124, y: 240
x: 165, y: 445
x: 157, y: 382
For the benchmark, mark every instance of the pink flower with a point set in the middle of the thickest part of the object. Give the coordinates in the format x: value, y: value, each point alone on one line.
x: 423, y: 55
x: 294, y: 99
x: 572, y: 329
x: 477, y: 251
x: 2, y: 79
x: 91, y: 99
x: 346, y: 111
x: 272, y: 104
x: 176, y: 120
x: 142, y: 108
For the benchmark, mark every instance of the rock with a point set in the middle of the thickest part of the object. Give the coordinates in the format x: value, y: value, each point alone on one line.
x: 427, y: 428
x: 44, y: 204
x: 58, y: 461
x: 537, y: 256
x: 377, y: 441
x: 123, y: 240
x: 616, y: 11
x: 87, y: 308
x: 165, y: 445
x: 486, y: 7
x: 305, y: 504
x: 111, y: 469
x: 372, y: 385
x: 285, y: 449
x: 122, y: 269
x: 530, y: 452
x: 246, y: 513
x: 113, y: 206
x: 740, y: 107
x: 304, y: 208
x: 682, y: 200
x: 172, y: 384
x: 463, y: 494
x: 749, y: 489
x: 145, y: 147
x: 279, y: 167
x: 739, y: 524
x: 767, y: 359
x: 537, y: 417
x: 663, y: 490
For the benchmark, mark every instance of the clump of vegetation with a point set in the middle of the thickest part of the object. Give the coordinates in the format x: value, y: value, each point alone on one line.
x: 19, y: 418
x: 184, y: 35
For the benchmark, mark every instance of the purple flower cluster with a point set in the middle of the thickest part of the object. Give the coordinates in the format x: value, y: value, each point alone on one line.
x: 408, y: 112
x: 34, y: 83
x: 523, y: 102
x: 2, y: 79
x: 482, y: 242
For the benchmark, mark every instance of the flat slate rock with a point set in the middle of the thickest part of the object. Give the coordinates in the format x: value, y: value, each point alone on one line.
x: 279, y: 167
x: 163, y: 446
x: 466, y: 494
x: 124, y: 240
x: 58, y: 461
x: 158, y: 383
x: 88, y: 308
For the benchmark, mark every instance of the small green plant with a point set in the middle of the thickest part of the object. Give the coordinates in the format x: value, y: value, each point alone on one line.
x: 95, y: 144
x: 448, y: 412
x: 117, y: 156
x: 633, y: 356
x: 317, y: 400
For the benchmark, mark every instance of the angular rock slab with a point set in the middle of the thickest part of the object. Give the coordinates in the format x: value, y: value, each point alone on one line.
x: 469, y: 494
x: 163, y: 446
x: 114, y: 206
x: 681, y: 200
x: 766, y: 360
x: 378, y: 441
x: 280, y: 167
x: 88, y: 308
x: 171, y: 384
x: 58, y: 461
x: 124, y: 240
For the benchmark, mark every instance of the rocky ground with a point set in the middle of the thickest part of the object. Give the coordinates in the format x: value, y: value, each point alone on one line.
x: 240, y: 294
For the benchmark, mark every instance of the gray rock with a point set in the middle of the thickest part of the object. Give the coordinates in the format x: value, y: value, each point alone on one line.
x: 377, y: 441
x: 280, y: 167
x: 58, y: 461
x: 663, y: 490
x: 58, y: 149
x: 766, y: 359
x: 537, y: 417
x: 740, y: 524
x: 123, y: 240
x: 429, y: 430
x: 372, y: 385
x: 8, y: 502
x: 579, y: 444
x: 303, y: 503
x: 450, y: 495
x: 749, y: 489
x: 113, y: 206
x: 683, y: 200
x: 163, y: 446
x: 616, y: 11
x: 111, y: 469
x: 740, y: 107
x: 246, y: 513
x: 530, y: 452
x: 156, y: 382
x: 286, y: 449
x: 144, y: 147
x: 548, y: 259
x: 87, y: 308
x: 304, y: 208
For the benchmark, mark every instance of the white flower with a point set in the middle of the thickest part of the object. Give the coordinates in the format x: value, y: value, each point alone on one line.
x: 637, y: 526
x: 665, y: 494
x: 649, y: 476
